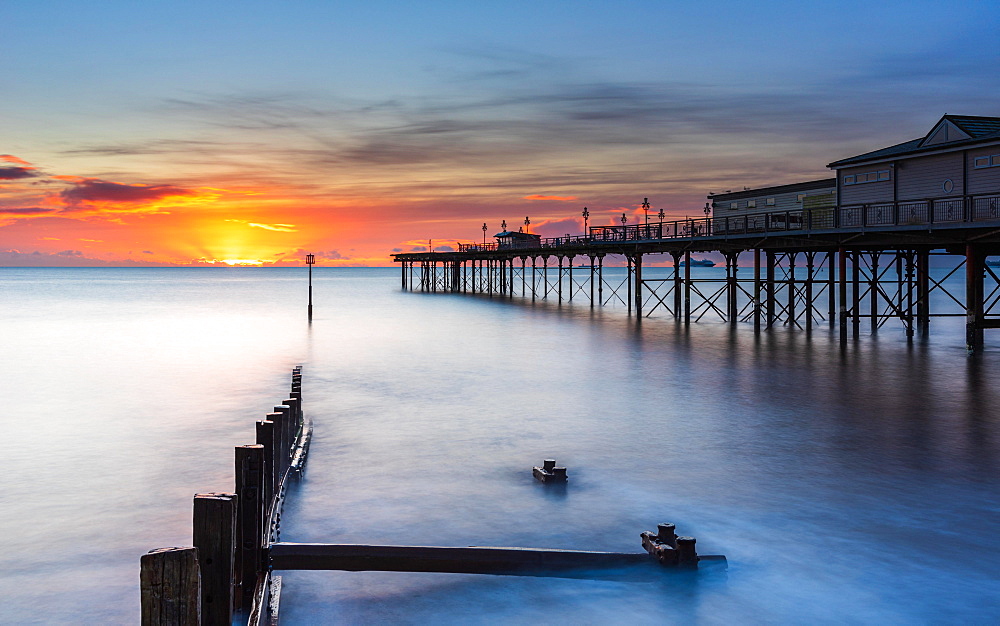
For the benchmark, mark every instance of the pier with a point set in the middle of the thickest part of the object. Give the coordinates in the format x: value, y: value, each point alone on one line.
x: 843, y: 267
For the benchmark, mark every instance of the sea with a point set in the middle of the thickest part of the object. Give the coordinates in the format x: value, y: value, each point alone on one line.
x: 854, y: 483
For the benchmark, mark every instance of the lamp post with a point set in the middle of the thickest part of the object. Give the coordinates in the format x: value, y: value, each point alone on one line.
x: 310, y: 261
x: 484, y: 234
x: 503, y: 225
x: 527, y: 224
x: 586, y: 220
x: 660, y: 215
x: 624, y: 219
x: 645, y: 207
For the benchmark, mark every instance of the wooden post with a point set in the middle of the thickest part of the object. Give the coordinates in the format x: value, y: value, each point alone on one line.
x: 170, y: 587
x: 249, y: 520
x: 266, y: 437
x: 215, y: 539
x: 687, y: 556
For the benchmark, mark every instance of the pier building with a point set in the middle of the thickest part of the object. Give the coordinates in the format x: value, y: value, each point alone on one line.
x: 832, y: 251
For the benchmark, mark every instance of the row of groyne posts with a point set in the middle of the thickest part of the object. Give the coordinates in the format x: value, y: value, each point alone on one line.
x: 225, y: 575
x: 843, y: 288
x: 228, y: 575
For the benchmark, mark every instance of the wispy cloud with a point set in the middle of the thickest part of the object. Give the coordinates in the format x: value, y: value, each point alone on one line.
x: 281, y: 228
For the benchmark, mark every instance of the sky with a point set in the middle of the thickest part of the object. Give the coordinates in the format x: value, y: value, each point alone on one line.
x: 208, y: 132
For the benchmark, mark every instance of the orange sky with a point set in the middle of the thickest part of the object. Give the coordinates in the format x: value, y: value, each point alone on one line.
x: 50, y: 217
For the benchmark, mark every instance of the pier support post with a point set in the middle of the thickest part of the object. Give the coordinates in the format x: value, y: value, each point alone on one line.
x: 791, y: 289
x: 842, y: 271
x: 923, y: 291
x: 756, y: 290
x: 873, y: 290
x: 974, y: 271
x: 687, y: 287
x: 215, y: 538
x: 770, y: 288
x: 831, y: 285
x: 571, y: 257
x: 600, y: 279
x: 810, y: 278
x: 170, y: 587
x: 638, y: 286
x: 732, y: 282
x: 677, y: 285
x: 856, y: 292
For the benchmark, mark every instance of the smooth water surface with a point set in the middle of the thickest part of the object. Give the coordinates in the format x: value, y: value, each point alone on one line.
x: 845, y: 485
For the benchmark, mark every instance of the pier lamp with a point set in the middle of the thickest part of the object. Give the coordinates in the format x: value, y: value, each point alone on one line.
x: 310, y: 261
x: 660, y: 215
x: 708, y: 209
x: 645, y: 207
x: 586, y: 219
x: 527, y: 224
x: 484, y: 233
x: 624, y: 219
x: 503, y: 225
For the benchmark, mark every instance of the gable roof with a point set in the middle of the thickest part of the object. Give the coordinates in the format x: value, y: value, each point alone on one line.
x: 811, y: 185
x: 950, y: 130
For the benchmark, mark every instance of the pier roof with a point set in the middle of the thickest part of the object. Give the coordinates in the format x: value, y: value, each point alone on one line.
x: 791, y: 188
x: 967, y: 129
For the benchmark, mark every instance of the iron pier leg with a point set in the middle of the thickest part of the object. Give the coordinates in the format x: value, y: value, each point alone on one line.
x: 831, y: 285
x: 770, y: 288
x: 600, y: 279
x: 524, y: 276
x: 628, y: 281
x: 856, y: 293
x: 677, y: 284
x: 873, y: 291
x: 687, y: 287
x: 756, y: 290
x: 974, y: 271
x: 638, y: 286
x: 791, y: 289
x: 534, y: 260
x: 810, y: 276
x: 842, y: 271
x: 731, y: 269
x: 923, y: 291
x: 545, y: 276
x: 909, y: 294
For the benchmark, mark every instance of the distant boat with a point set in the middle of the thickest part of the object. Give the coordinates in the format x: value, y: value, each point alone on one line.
x: 585, y: 267
x: 699, y: 263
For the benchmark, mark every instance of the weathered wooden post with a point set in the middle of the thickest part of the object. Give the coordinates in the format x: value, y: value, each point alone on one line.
x: 170, y: 586
x: 266, y: 436
x: 215, y: 538
x: 280, y: 435
x: 687, y: 556
x: 249, y: 520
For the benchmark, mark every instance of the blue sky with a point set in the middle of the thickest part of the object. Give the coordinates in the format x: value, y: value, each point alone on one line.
x: 442, y: 113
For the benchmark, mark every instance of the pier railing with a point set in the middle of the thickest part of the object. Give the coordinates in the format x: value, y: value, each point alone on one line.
x: 926, y: 212
x: 226, y: 573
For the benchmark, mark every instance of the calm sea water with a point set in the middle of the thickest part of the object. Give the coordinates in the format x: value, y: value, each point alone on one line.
x: 845, y: 485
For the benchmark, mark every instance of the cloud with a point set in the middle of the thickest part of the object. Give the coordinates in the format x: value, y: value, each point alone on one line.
x: 16, y: 173
x: 92, y: 190
x: 10, y: 158
x: 34, y: 210
x: 281, y: 228
x: 70, y: 253
x: 557, y: 198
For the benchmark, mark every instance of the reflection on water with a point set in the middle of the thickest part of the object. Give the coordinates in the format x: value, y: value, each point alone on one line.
x: 848, y: 483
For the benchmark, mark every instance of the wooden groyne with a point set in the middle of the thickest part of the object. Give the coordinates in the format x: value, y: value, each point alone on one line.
x: 226, y: 573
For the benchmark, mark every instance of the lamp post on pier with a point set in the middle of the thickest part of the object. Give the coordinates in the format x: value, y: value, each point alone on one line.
x: 310, y: 261
x: 645, y: 208
x: 484, y: 234
x: 586, y: 219
x: 527, y: 224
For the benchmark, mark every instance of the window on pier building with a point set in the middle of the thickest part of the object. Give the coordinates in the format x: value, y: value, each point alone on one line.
x: 868, y: 177
x: 751, y: 204
x: 769, y: 202
x: 992, y: 160
x: 734, y: 205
